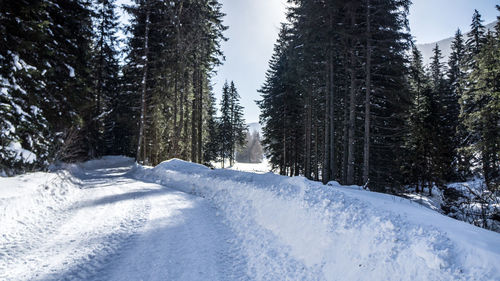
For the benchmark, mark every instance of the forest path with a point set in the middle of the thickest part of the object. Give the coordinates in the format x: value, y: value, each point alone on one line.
x: 120, y: 228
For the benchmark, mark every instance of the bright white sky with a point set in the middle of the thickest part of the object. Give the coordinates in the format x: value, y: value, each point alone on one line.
x: 254, y: 25
x: 253, y: 30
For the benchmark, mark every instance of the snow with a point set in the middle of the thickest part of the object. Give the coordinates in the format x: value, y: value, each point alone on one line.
x: 259, y: 168
x: 20, y: 153
x: 71, y: 71
x: 469, y: 201
x: 111, y: 219
x: 94, y: 222
x: 292, y: 228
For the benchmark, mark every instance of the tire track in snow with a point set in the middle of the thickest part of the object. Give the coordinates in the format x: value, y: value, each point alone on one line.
x: 32, y: 218
x: 85, y: 237
x: 121, y: 228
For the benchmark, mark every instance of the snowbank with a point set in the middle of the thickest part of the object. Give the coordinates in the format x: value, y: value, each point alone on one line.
x: 30, y: 202
x: 28, y: 206
x: 295, y: 229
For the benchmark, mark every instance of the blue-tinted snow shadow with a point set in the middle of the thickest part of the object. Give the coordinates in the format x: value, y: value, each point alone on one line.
x: 159, y: 253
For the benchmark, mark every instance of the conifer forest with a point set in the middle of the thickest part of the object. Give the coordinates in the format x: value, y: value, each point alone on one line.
x: 66, y: 96
x: 347, y: 96
x: 250, y: 140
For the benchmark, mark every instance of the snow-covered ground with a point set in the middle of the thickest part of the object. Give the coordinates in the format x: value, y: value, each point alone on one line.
x: 112, y: 220
x: 259, y: 168
x: 95, y: 222
x: 469, y: 201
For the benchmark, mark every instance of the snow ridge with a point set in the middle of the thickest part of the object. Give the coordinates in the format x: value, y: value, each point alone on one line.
x: 292, y: 228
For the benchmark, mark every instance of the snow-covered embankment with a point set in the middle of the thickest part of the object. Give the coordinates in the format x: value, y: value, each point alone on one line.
x: 292, y: 228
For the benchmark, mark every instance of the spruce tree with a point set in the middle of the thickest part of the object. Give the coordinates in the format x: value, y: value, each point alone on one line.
x: 417, y: 162
x: 324, y: 59
x: 172, y: 51
x: 475, y: 37
x: 281, y: 109
x: 443, y: 121
x: 456, y: 83
x: 212, y: 143
x: 48, y: 44
x: 225, y: 133
x: 238, y: 126
x: 22, y: 121
x: 469, y: 104
x: 105, y: 71
x: 483, y: 119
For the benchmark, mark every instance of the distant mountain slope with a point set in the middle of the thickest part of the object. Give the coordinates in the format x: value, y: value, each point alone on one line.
x: 444, y: 45
x: 255, y: 127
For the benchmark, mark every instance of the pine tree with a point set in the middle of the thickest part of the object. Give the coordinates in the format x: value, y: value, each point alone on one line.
x: 468, y: 104
x: 232, y: 125
x: 172, y: 51
x: 441, y: 144
x: 238, y: 126
x: 225, y: 134
x: 417, y: 166
x: 67, y: 54
x: 281, y: 109
x: 456, y: 83
x: 476, y: 36
x: 483, y: 120
x: 328, y: 55
x: 212, y: 144
x: 105, y: 71
x: 49, y: 46
x: 22, y: 122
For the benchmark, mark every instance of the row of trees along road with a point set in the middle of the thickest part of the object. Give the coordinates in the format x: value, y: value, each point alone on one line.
x: 346, y: 99
x: 66, y: 96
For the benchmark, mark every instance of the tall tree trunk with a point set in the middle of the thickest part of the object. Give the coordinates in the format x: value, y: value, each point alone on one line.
x: 366, y: 148
x: 284, y: 143
x: 182, y: 104
x: 316, y: 152
x: 200, y: 117
x: 185, y: 131
x: 308, y: 137
x: 345, y: 137
x: 333, y: 164
x: 193, y: 117
x: 351, y: 126
x: 142, y: 126
x: 175, y: 137
x: 96, y: 143
x: 352, y: 110
x: 326, y: 153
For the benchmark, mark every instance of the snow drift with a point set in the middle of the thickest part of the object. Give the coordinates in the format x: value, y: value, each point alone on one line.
x: 295, y: 229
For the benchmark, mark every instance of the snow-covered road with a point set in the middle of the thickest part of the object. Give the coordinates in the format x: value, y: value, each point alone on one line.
x: 112, y: 227
x: 110, y: 219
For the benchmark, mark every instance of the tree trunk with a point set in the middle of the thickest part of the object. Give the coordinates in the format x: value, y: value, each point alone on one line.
x: 345, y: 137
x: 352, y: 111
x: 366, y: 148
x: 308, y: 138
x: 193, y: 121
x: 284, y: 143
x: 175, y: 137
x: 200, y: 116
x: 185, y: 133
x: 333, y: 164
x: 316, y: 156
x: 351, y: 125
x: 326, y: 153
x: 142, y: 135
